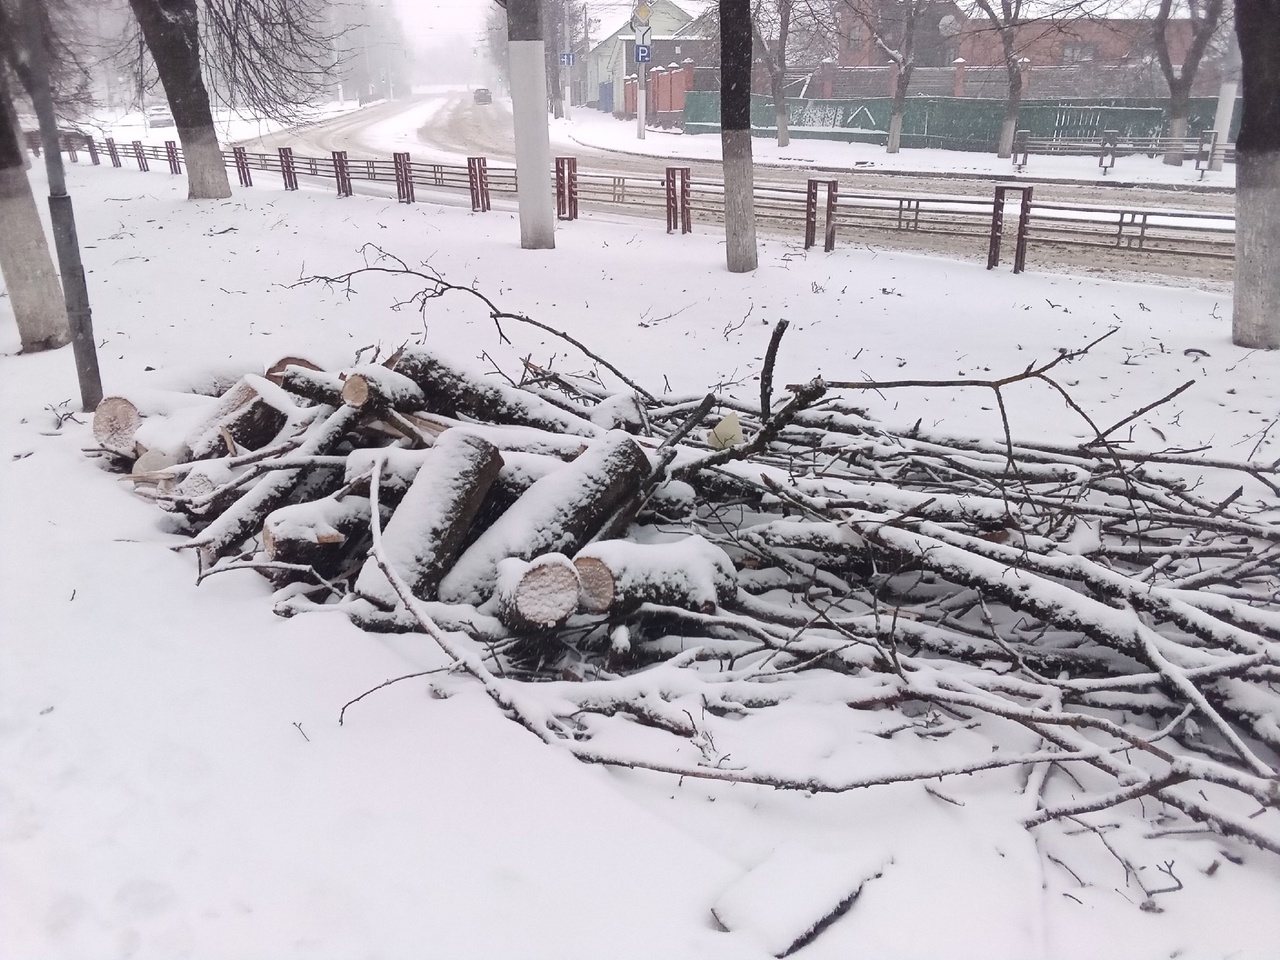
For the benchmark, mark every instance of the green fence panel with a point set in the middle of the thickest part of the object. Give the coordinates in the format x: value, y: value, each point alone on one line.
x: 956, y: 123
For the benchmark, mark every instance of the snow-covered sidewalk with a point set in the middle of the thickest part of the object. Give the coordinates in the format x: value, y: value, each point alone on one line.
x: 173, y: 780
x: 591, y: 128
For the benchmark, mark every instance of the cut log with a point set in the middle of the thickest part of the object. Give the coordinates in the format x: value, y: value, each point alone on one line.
x: 115, y: 425
x: 247, y: 417
x: 377, y: 388
x: 532, y: 597
x: 622, y: 411
x: 318, y: 534
x: 314, y: 385
x: 429, y: 526
x: 558, y: 514
x: 620, y: 575
x: 451, y: 390
x: 245, y: 516
x: 366, y: 616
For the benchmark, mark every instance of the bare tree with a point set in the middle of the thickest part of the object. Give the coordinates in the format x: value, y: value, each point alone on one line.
x: 1005, y: 18
x: 777, y: 14
x: 1256, y: 321
x: 1205, y: 15
x: 895, y: 37
x: 735, y: 135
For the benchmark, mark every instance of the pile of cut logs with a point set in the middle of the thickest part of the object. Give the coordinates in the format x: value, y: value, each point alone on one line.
x: 633, y: 555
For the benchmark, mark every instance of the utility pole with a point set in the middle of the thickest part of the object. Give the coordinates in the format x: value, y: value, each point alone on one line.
x: 74, y: 289
x: 529, y: 110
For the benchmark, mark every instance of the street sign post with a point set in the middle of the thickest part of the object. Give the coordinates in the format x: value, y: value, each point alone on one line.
x: 566, y: 59
x: 644, y: 53
x: 643, y: 56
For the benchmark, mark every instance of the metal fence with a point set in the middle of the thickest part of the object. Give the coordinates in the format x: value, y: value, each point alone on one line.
x: 964, y: 225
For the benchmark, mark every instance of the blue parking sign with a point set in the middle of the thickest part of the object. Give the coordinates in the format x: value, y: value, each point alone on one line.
x: 644, y: 53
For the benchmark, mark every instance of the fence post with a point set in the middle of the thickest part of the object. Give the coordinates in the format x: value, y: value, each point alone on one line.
x: 342, y: 173
x: 1024, y: 228
x: 1020, y: 138
x: 242, y: 166
x: 478, y: 179
x: 810, y: 213
x: 113, y: 153
x: 140, y: 155
x: 686, y: 194
x: 404, y: 177
x: 1107, y: 151
x: 566, y: 188
x: 287, y: 170
x: 92, y: 147
x: 997, y: 227
x: 70, y: 144
x: 171, y: 153
x: 833, y: 199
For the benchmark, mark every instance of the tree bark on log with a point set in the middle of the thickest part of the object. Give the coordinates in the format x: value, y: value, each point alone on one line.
x: 558, y: 514
x: 429, y: 526
x: 317, y: 534
x: 318, y: 386
x: 246, y: 515
x: 249, y: 415
x: 451, y: 390
x: 620, y: 575
x: 535, y: 596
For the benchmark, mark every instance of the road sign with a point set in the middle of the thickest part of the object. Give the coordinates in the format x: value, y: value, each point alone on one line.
x: 644, y: 35
x: 641, y: 12
x: 566, y: 59
x: 644, y: 53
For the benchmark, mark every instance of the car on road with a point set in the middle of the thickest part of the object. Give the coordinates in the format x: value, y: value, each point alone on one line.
x: 483, y: 95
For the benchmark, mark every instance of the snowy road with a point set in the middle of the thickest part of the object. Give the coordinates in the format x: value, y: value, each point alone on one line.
x: 447, y: 127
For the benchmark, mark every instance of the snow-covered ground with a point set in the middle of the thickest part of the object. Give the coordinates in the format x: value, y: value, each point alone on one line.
x: 592, y: 128
x: 173, y: 780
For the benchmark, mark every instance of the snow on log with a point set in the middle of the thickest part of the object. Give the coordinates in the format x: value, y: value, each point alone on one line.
x: 247, y: 417
x: 246, y: 515
x: 622, y: 411
x: 430, y: 524
x: 793, y: 895
x: 558, y: 514
x: 458, y: 617
x: 315, y: 534
x: 374, y: 387
x: 692, y: 573
x: 537, y: 595
x: 115, y: 425
x: 451, y: 390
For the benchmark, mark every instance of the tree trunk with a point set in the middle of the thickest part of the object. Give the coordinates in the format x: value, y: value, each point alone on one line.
x: 323, y: 534
x: 898, y: 109
x: 432, y: 520
x: 29, y: 276
x: 1179, y: 109
x: 735, y: 135
x: 527, y: 53
x: 1012, y: 104
x: 171, y: 30
x: 780, y: 117
x: 1256, y: 317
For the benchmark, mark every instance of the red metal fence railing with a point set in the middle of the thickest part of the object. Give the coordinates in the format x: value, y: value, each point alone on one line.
x: 948, y: 224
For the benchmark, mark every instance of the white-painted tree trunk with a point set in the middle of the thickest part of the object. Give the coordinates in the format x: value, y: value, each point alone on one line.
x: 895, y: 133
x: 206, y: 172
x: 1177, y: 130
x: 1222, y: 121
x: 739, y: 201
x: 533, y: 145
x: 1256, y: 319
x: 29, y: 275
